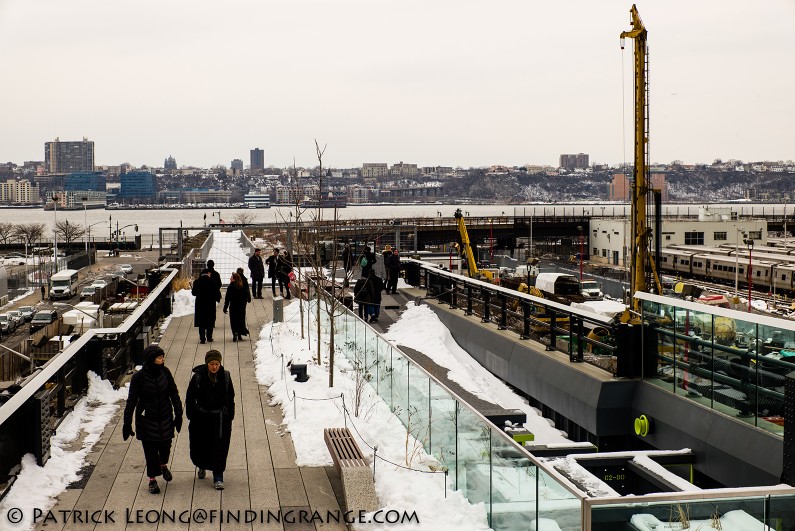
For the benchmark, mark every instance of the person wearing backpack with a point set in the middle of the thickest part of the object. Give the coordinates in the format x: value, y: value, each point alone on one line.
x: 367, y: 261
x: 210, y: 408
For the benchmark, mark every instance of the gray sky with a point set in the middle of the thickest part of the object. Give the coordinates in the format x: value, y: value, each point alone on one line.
x: 432, y: 82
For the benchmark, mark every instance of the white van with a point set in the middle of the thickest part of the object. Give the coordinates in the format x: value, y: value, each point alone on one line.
x: 63, y: 284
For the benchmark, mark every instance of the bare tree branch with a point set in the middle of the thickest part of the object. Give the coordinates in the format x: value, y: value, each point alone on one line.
x: 7, y: 231
x: 30, y: 232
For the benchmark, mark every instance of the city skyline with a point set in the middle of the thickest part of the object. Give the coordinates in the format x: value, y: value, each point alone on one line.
x: 443, y: 83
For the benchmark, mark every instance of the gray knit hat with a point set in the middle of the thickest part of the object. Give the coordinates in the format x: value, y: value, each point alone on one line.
x: 212, y: 355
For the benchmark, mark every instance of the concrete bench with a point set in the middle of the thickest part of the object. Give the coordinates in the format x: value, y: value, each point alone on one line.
x: 357, y: 478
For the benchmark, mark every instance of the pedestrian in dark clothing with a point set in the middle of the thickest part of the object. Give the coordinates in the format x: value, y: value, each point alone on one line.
x: 377, y: 286
x: 367, y: 261
x: 154, y: 399
x: 386, y: 256
x: 363, y: 296
x: 273, y: 262
x: 207, y: 295
x: 248, y: 295
x: 257, y: 268
x: 210, y: 408
x: 393, y: 275
x: 237, y: 296
x: 43, y: 291
x: 283, y: 270
x: 216, y: 276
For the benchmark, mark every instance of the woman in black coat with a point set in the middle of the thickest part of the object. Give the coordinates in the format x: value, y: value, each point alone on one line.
x: 210, y: 407
x: 154, y: 399
x: 284, y: 266
x: 237, y: 296
x: 207, y: 295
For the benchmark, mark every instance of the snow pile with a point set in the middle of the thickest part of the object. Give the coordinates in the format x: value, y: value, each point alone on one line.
x: 312, y: 406
x: 419, y: 328
x: 184, y: 303
x: 38, y: 487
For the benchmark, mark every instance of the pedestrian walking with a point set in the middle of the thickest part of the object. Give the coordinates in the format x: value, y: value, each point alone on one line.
x: 367, y: 261
x: 283, y: 270
x: 377, y: 286
x: 348, y: 259
x: 394, y: 272
x: 154, y: 399
x: 207, y: 295
x: 43, y: 291
x: 257, y: 268
x: 386, y: 256
x: 273, y: 262
x: 237, y: 296
x: 210, y: 408
x: 216, y: 276
x: 363, y: 296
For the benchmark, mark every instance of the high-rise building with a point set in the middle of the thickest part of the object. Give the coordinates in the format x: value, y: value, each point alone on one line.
x: 257, y: 161
x: 236, y: 166
x: 18, y: 192
x: 137, y: 187
x: 69, y: 157
x: 574, y: 162
x: 621, y: 188
x: 94, y: 180
x: 170, y: 163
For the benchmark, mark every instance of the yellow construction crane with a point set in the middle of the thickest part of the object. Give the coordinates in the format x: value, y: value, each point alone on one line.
x: 472, y: 264
x: 641, y: 232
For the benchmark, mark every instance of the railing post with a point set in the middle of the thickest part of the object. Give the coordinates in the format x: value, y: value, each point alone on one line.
x: 486, y: 309
x: 525, y: 321
x: 788, y: 468
x: 469, y: 300
x: 580, y: 341
x: 503, y: 313
x: 454, y: 296
x: 552, y: 339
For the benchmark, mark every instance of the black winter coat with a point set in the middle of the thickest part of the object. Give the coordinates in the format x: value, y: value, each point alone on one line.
x: 377, y: 286
x: 154, y: 399
x: 235, y: 302
x: 210, y: 407
x: 272, y: 262
x: 363, y: 291
x: 257, y: 267
x: 207, y: 294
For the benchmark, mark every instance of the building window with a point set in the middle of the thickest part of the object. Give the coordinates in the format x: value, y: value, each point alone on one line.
x: 595, y: 251
x: 694, y: 238
x: 719, y: 236
x: 604, y: 253
x: 667, y: 237
x: 755, y: 234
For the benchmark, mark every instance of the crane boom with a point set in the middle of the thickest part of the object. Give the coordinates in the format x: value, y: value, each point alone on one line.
x: 472, y: 264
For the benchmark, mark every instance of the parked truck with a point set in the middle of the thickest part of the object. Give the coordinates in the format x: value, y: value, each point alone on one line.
x: 558, y: 287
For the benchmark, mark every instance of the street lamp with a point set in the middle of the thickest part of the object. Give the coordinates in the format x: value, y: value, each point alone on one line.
x: 582, y: 255
x: 737, y: 257
x: 55, y: 234
x: 89, y: 238
x: 750, y: 243
x: 491, y: 241
x: 85, y: 222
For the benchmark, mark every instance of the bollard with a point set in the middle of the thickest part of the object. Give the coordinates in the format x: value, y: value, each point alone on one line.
x: 278, y: 309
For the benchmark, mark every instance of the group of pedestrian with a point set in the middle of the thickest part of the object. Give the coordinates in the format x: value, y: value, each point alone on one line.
x: 280, y: 269
x: 154, y: 402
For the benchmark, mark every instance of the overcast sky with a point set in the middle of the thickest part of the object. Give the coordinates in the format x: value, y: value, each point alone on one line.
x: 432, y: 82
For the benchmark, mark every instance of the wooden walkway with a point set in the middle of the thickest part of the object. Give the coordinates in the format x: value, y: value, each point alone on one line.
x: 261, y: 473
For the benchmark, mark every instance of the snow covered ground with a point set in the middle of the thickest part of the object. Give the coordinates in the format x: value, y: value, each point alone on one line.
x: 228, y: 253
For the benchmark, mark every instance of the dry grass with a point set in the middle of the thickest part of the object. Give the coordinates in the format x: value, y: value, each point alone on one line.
x: 180, y: 283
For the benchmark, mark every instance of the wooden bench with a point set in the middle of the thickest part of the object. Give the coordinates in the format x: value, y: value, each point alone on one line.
x: 357, y: 478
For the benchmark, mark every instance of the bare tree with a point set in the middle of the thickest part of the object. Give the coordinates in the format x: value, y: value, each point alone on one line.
x: 7, y: 231
x: 68, y: 232
x: 244, y: 218
x: 30, y: 232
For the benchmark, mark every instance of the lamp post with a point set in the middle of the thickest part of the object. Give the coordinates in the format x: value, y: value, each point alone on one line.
x: 737, y: 257
x: 582, y: 255
x: 85, y: 222
x: 55, y: 234
x: 750, y: 243
x: 491, y: 241
x: 89, y: 238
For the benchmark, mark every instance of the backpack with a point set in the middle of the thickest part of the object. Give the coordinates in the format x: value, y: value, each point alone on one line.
x: 363, y: 262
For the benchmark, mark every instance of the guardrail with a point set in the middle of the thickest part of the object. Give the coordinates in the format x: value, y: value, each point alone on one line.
x: 30, y: 410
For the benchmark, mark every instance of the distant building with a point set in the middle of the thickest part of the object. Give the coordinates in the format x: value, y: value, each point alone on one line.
x: 236, y: 166
x: 69, y: 157
x: 170, y: 163
x: 137, y: 187
x: 77, y: 199
x: 95, y: 180
x: 374, y: 170
x: 574, y: 162
x: 194, y: 195
x: 404, y: 170
x: 294, y: 194
x: 18, y: 192
x: 362, y: 194
x: 257, y: 161
x: 621, y: 189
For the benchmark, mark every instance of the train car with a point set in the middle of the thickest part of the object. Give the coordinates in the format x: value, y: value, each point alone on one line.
x: 701, y: 249
x: 728, y: 269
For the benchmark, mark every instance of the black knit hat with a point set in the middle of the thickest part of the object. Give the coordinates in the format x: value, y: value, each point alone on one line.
x: 212, y: 355
x: 151, y: 353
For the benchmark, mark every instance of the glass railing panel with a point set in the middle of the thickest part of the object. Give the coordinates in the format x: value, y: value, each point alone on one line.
x: 723, y: 513
x: 400, y: 386
x: 781, y: 514
x: 513, y: 486
x: 473, y: 464
x: 557, y: 505
x: 419, y: 412
x: 442, y: 436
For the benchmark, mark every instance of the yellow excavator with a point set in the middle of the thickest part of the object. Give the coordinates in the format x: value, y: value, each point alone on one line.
x: 472, y: 264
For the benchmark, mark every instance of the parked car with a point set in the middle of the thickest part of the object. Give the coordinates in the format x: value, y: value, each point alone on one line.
x: 126, y: 268
x: 87, y: 292
x: 27, y: 312
x: 11, y: 259
x: 7, y: 324
x: 16, y: 315
x: 42, y: 318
